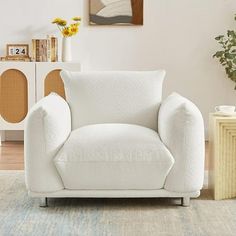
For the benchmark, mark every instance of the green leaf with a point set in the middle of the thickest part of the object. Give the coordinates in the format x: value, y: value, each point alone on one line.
x: 229, y: 56
x: 230, y: 33
x: 222, y: 60
x: 230, y: 64
x: 219, y: 54
x: 228, y: 72
x: 219, y: 37
x: 234, y: 74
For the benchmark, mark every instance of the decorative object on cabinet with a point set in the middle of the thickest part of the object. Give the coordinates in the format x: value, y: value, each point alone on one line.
x: 116, y: 12
x: 66, y: 54
x: 53, y: 48
x: 23, y: 84
x: 21, y: 59
x: 222, y: 143
x: 45, y: 50
x: 67, y: 31
x: 17, y: 50
x: 227, y: 55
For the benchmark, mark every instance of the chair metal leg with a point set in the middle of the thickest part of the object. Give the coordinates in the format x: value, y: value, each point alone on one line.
x: 185, y: 201
x: 43, y: 202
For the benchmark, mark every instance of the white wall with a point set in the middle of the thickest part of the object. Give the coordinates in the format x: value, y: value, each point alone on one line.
x: 178, y: 35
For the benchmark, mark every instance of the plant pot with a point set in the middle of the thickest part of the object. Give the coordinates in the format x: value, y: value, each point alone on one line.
x: 66, y: 55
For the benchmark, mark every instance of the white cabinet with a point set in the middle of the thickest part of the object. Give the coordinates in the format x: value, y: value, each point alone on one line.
x: 22, y: 84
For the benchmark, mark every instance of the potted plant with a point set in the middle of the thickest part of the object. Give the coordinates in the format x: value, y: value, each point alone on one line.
x: 67, y: 31
x: 227, y: 55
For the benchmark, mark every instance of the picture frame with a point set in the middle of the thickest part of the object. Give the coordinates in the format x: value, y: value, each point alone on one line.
x: 116, y: 12
x: 17, y: 50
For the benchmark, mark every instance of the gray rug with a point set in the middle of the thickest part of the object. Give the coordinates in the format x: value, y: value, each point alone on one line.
x: 20, y: 215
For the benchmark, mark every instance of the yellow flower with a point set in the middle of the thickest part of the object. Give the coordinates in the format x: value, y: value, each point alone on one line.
x: 62, y: 23
x: 77, y: 18
x: 67, y: 32
x: 56, y: 20
x: 74, y: 29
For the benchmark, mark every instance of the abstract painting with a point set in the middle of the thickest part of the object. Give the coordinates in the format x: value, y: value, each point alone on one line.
x: 116, y: 12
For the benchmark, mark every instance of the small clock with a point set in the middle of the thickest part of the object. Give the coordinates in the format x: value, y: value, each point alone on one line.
x: 17, y: 50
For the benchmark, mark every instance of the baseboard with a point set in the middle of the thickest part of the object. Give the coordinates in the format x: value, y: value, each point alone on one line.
x: 14, y: 135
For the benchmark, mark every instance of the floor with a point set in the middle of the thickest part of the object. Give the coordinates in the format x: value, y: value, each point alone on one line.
x: 21, y: 216
x: 12, y: 156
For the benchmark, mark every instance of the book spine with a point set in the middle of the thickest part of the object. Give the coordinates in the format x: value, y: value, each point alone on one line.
x: 37, y: 50
x: 40, y: 51
x: 24, y: 59
x: 48, y: 49
x: 54, y: 49
x: 44, y: 50
x: 33, y: 50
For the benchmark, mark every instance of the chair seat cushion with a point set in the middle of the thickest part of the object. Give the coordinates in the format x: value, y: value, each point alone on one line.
x: 113, y: 156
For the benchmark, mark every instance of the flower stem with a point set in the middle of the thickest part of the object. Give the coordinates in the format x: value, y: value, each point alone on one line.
x: 59, y: 29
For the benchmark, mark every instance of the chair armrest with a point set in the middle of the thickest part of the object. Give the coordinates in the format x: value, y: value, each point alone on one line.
x: 181, y: 129
x: 47, y: 127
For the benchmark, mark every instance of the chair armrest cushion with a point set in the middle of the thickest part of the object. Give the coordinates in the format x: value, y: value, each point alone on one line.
x: 181, y: 129
x: 47, y: 127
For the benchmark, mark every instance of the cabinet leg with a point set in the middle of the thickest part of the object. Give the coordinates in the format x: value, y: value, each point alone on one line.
x: 43, y: 202
x: 185, y: 201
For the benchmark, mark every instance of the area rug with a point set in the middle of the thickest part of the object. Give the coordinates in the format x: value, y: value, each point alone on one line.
x: 21, y: 215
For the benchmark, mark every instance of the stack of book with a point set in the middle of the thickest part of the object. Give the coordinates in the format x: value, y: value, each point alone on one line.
x: 7, y: 58
x: 45, y: 50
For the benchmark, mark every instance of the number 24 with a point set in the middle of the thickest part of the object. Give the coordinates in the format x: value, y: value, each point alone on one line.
x: 18, y: 51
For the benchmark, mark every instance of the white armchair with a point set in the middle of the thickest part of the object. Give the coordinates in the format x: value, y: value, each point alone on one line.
x: 114, y: 137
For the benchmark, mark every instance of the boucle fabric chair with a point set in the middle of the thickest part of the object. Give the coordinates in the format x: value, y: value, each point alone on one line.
x: 114, y: 137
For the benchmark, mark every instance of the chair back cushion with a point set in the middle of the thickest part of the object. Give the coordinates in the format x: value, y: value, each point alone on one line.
x: 114, y: 97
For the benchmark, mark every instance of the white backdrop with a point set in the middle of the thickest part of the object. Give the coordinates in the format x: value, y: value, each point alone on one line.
x: 177, y: 36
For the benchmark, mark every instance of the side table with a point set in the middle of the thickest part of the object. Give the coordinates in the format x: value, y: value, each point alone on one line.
x: 222, y: 150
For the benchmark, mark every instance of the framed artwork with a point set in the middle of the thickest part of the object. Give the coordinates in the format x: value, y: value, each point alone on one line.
x: 116, y: 12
